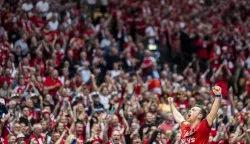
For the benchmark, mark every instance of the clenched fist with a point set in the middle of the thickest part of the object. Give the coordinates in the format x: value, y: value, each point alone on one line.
x: 217, y: 90
x: 170, y: 100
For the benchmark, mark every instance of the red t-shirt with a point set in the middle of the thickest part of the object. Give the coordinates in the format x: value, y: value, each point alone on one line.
x: 215, y: 63
x: 41, y: 138
x: 140, y: 26
x: 154, y: 83
x: 138, y: 89
x: 147, y: 61
x: 50, y: 82
x: 35, y: 115
x: 6, y: 130
x: 99, y: 140
x: 80, y: 139
x: 184, y: 104
x: 5, y: 140
x: 75, y: 83
x: 202, y: 52
x: 223, y: 84
x: 129, y: 19
x: 89, y: 31
x: 199, y: 135
x: 38, y: 22
x: 63, y: 141
x: 7, y: 79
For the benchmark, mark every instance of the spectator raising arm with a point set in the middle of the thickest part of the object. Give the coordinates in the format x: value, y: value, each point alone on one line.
x: 230, y: 94
x: 59, y: 141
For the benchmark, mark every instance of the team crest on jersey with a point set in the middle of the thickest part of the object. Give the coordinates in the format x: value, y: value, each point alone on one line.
x: 187, y: 140
x: 189, y: 133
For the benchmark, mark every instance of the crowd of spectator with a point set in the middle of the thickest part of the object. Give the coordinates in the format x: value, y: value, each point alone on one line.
x: 84, y: 71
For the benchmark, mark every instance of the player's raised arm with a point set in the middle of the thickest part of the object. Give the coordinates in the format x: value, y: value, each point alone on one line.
x: 213, y: 113
x: 177, y: 115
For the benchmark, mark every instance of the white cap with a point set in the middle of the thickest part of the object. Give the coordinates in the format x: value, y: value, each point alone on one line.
x: 34, y: 95
x: 20, y: 136
x: 94, y: 93
x: 2, y: 101
x: 114, y: 93
x: 14, y: 95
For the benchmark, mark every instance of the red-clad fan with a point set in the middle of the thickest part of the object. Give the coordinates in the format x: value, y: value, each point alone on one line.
x: 53, y: 83
x: 198, y: 124
x: 116, y: 138
x: 36, y: 136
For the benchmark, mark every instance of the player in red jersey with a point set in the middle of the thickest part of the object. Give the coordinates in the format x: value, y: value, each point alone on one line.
x: 196, y: 129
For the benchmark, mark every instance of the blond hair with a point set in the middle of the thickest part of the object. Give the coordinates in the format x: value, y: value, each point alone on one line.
x: 69, y: 139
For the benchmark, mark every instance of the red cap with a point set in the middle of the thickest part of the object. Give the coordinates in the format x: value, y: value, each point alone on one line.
x: 96, y: 140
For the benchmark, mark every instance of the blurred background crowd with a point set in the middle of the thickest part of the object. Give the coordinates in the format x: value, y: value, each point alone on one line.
x: 100, y: 71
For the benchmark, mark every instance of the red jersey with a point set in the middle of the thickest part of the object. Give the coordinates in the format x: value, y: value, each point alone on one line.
x: 51, y: 82
x: 199, y: 135
x: 223, y: 84
x: 39, y: 140
x: 80, y: 139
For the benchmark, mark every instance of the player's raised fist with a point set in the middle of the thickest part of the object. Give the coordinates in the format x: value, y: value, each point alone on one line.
x: 170, y: 100
x: 217, y: 90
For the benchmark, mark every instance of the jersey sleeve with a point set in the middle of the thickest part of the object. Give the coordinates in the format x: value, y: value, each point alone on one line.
x: 60, y: 82
x: 46, y: 82
x: 204, y: 126
x: 185, y: 125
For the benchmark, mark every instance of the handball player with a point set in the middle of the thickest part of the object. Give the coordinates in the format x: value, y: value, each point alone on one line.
x: 197, y: 127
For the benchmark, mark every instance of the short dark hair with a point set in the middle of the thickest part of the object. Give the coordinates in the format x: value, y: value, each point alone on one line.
x: 78, y: 122
x: 203, y: 111
x: 25, y: 107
